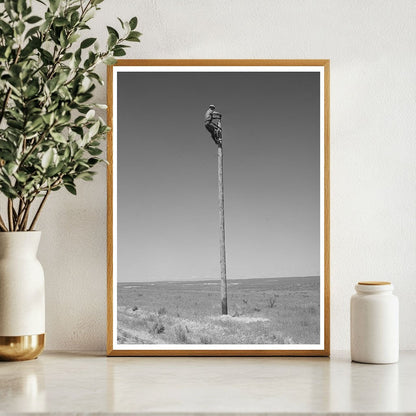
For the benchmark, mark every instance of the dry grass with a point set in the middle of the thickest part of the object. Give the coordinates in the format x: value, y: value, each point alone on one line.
x: 261, y: 311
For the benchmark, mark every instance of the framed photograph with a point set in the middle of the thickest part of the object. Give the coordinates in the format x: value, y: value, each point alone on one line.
x: 218, y: 208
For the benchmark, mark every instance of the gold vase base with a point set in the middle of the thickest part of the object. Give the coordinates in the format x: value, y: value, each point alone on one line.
x: 21, y: 348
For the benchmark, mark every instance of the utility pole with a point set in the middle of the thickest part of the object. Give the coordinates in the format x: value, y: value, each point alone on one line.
x: 213, y: 125
x: 224, y: 306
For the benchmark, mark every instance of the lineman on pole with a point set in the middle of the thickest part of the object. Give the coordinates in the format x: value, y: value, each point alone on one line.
x: 211, y: 124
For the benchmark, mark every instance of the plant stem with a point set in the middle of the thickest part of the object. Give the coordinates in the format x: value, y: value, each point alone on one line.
x: 3, y: 108
x: 17, y: 217
x: 25, y: 217
x: 38, y: 211
x: 14, y: 217
x: 20, y: 212
x: 2, y: 224
x: 10, y: 213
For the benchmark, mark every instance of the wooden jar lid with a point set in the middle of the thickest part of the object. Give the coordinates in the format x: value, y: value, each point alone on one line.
x: 374, y: 283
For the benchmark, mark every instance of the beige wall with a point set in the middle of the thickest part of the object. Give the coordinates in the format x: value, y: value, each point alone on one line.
x: 371, y: 45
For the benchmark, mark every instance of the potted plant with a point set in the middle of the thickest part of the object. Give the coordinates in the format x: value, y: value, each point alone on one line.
x: 50, y: 137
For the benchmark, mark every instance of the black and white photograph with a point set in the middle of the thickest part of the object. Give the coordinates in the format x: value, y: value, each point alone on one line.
x: 218, y: 204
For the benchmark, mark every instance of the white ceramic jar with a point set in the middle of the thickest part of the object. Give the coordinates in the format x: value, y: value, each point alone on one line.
x: 374, y: 323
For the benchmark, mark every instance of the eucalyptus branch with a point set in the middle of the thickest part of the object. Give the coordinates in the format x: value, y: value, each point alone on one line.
x: 53, y: 136
x: 9, y: 91
x: 62, y: 51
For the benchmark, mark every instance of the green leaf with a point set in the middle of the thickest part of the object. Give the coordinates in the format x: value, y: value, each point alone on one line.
x: 133, y: 37
x: 52, y: 84
x: 82, y: 98
x: 86, y: 176
x: 119, y: 51
x: 74, y: 18
x: 112, y: 31
x: 21, y: 5
x: 7, y: 29
x: 77, y: 56
x: 112, y: 40
x: 67, y: 153
x: 96, y: 77
x: 8, y: 191
x: 61, y: 21
x: 63, y: 41
x: 92, y: 161
x: 47, y: 158
x: 58, y: 137
x: 7, y: 52
x: 94, y: 151
x: 11, y: 168
x: 21, y: 176
x: 52, y: 171
x: 31, y: 90
x: 88, y: 16
x: 53, y: 5
x: 26, y: 11
x: 46, y: 56
x: 70, y: 188
x: 90, y: 114
x: 73, y: 38
x: 6, y: 146
x: 20, y: 28
x: 63, y: 119
x: 33, y: 19
x: 10, y: 7
x: 48, y: 118
x: 121, y: 22
x: 87, y: 42
x: 82, y: 166
x: 78, y: 154
x: 15, y: 124
x: 35, y: 125
x: 110, y: 61
x: 133, y: 23
x: 94, y: 129
x: 32, y: 31
x: 34, y: 43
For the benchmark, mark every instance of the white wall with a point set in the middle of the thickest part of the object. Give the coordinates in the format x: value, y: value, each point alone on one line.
x: 371, y: 45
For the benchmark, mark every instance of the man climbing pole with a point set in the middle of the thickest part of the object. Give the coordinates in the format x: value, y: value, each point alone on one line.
x: 213, y: 125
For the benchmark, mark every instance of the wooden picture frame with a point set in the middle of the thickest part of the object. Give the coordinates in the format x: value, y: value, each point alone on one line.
x: 274, y: 68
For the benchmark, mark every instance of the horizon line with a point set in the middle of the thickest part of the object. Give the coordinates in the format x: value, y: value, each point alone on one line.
x: 217, y: 279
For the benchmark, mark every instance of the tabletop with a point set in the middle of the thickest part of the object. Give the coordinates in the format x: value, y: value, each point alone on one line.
x: 85, y: 382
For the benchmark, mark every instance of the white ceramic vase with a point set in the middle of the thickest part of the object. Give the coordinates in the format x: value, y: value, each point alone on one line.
x: 22, y: 296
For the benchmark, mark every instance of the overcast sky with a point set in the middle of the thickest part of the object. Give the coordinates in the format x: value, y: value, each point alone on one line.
x: 167, y: 175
